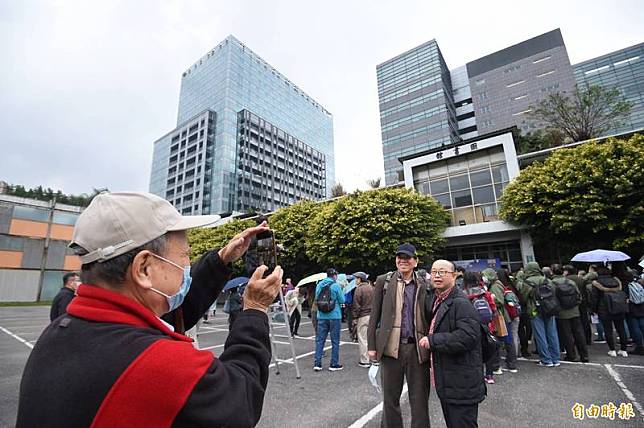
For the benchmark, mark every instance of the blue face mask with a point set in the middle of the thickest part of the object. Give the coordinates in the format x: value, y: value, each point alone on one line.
x: 176, y: 300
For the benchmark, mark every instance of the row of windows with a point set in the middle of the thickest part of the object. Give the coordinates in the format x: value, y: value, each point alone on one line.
x: 412, y: 103
x: 391, y: 158
x: 410, y: 89
x: 408, y: 75
x: 409, y: 60
x: 414, y: 118
x: 620, y: 63
x: 410, y: 135
x: 42, y: 215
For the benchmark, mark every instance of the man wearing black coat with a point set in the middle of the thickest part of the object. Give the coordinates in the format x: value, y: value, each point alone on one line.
x: 64, y: 296
x: 454, y: 340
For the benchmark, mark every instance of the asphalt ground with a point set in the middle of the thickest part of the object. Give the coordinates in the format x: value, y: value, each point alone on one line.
x: 534, y: 397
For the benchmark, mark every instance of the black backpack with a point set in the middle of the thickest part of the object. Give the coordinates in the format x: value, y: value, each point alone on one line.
x: 616, y: 302
x: 489, y: 344
x: 546, y: 299
x: 324, y: 301
x: 567, y: 294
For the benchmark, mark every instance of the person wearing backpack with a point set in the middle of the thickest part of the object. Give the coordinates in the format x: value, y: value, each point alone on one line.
x: 571, y: 273
x: 542, y: 305
x: 507, y: 342
x: 569, y: 325
x: 635, y: 316
x: 610, y: 303
x: 329, y: 298
x: 512, y: 305
x: 396, y: 325
x: 483, y: 303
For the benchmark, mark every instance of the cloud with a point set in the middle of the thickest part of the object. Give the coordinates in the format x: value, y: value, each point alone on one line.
x: 88, y: 86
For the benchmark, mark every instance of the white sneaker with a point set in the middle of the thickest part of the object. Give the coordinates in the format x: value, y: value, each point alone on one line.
x: 612, y: 353
x: 498, y: 372
x: 622, y: 353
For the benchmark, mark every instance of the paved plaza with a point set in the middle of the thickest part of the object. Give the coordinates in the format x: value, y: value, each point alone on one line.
x: 534, y: 397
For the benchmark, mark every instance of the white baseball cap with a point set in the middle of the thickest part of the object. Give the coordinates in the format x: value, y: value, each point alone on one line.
x: 115, y: 223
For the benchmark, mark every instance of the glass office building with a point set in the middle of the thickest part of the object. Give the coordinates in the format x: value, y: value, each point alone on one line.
x: 624, y: 70
x: 416, y: 106
x: 226, y: 81
x: 425, y: 105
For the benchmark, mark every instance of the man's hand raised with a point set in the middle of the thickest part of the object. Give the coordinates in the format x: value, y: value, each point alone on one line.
x: 260, y: 292
x: 240, y: 243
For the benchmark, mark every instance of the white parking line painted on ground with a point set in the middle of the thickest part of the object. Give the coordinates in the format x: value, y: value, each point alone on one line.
x: 625, y: 390
x: 299, y: 356
x: 375, y: 411
x: 211, y: 347
x: 627, y: 366
x: 574, y: 363
x: 18, y: 338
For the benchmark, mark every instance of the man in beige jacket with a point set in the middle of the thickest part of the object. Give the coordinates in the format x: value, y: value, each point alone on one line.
x: 396, y: 325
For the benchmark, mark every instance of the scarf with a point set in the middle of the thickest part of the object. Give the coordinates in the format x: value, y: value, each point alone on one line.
x: 440, y: 298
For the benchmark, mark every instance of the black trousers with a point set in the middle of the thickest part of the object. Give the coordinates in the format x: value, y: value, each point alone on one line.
x: 393, y: 371
x: 608, y: 332
x: 525, y: 333
x: 586, y: 325
x: 460, y: 416
x: 294, y: 321
x: 572, y: 335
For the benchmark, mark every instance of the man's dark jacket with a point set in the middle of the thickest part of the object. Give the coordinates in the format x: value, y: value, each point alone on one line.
x: 112, y: 362
x: 60, y: 302
x: 456, y: 349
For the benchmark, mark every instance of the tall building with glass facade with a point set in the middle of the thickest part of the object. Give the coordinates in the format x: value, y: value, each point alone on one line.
x: 216, y: 160
x: 624, y: 70
x: 425, y: 105
x: 416, y: 105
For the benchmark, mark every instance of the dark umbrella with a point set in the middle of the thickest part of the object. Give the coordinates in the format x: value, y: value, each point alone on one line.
x: 235, y: 282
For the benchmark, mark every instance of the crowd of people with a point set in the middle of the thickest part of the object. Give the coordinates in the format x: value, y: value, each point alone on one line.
x: 119, y: 326
x: 419, y: 325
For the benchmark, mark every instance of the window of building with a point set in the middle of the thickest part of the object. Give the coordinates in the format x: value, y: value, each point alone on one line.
x: 546, y: 73
x: 31, y: 213
x: 519, y: 113
x: 515, y: 84
x: 67, y: 218
x: 536, y: 61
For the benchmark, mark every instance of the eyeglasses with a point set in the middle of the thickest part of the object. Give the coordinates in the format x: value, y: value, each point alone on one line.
x: 441, y: 273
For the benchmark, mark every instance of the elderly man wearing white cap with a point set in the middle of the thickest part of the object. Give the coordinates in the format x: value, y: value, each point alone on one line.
x: 118, y: 357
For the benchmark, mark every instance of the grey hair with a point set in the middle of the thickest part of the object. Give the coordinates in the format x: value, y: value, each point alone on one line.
x: 112, y: 271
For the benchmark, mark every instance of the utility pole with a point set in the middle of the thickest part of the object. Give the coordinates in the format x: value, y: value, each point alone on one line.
x: 43, y: 262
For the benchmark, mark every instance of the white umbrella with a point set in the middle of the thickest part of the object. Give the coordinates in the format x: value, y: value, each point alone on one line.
x: 312, y: 278
x: 600, y: 256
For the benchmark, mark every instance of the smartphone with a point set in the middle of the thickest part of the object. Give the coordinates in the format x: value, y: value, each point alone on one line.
x: 267, y: 251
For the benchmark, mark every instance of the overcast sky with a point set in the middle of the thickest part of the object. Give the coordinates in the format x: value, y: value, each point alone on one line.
x: 87, y: 86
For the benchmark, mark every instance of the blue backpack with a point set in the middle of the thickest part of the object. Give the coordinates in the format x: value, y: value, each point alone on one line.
x: 477, y: 297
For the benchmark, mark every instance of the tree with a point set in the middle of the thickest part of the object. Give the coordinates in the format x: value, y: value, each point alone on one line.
x: 590, y: 195
x: 363, y: 230
x: 585, y: 114
x: 374, y: 183
x: 48, y: 194
x: 205, y: 239
x: 539, y: 140
x: 291, y: 225
x: 337, y: 190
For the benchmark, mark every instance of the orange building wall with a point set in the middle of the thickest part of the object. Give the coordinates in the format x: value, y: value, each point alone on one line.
x: 10, y: 259
x: 61, y: 231
x: 72, y: 263
x: 33, y: 229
